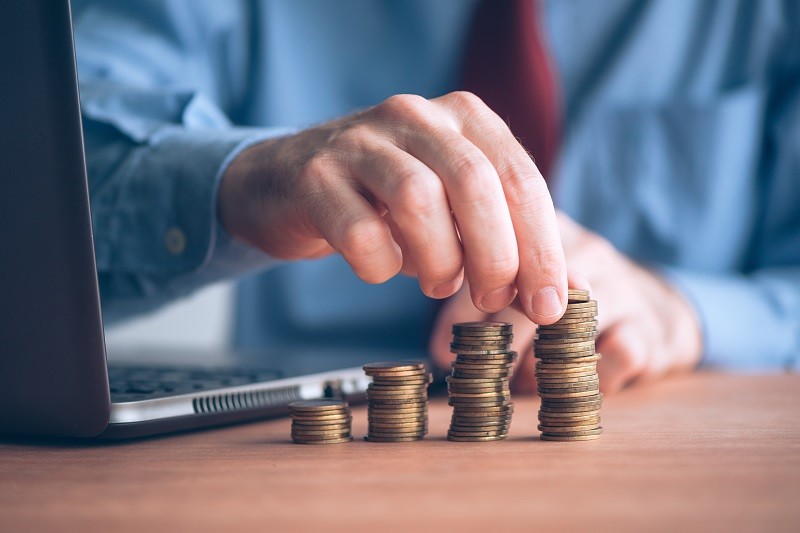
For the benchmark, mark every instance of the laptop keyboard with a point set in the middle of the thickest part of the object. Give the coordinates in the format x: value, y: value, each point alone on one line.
x: 135, y: 383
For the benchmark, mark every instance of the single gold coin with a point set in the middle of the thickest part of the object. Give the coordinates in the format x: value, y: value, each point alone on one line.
x: 575, y: 326
x: 577, y: 295
x: 327, y: 441
x: 321, y: 417
x: 509, y: 356
x: 394, y: 366
x: 567, y: 395
x: 582, y: 306
x: 395, y: 439
x: 576, y: 332
x: 480, y: 341
x: 579, y: 433
x: 568, y: 439
x: 476, y: 439
x: 561, y: 430
x: 482, y: 326
x: 317, y: 406
x: 412, y: 435
x: 561, y: 388
x: 458, y: 339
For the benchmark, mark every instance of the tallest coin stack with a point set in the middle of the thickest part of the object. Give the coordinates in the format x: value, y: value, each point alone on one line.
x: 566, y: 373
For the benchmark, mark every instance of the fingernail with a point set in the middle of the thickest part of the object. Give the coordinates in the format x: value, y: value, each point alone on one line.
x: 498, y: 299
x: 546, y: 303
x: 446, y: 289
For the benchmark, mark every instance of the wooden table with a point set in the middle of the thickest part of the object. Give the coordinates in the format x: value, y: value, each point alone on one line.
x: 702, y: 452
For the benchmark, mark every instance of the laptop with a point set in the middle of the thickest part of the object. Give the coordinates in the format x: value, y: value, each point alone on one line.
x: 54, y: 376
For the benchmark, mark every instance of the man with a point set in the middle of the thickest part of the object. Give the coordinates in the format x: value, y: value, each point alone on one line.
x: 679, y: 131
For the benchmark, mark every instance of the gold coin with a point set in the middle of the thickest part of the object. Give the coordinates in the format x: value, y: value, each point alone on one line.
x: 577, y: 326
x: 563, y: 422
x: 579, y: 433
x: 480, y: 413
x: 480, y: 341
x: 483, y: 433
x: 509, y: 355
x: 413, y: 435
x: 396, y: 414
x: 577, y: 295
x: 380, y: 425
x: 561, y: 430
x: 322, y: 417
x: 559, y: 389
x: 394, y: 366
x: 482, y: 338
x: 547, y: 346
x: 424, y: 379
x: 482, y: 424
x: 327, y: 441
x: 567, y: 395
x: 393, y: 439
x: 578, y: 336
x: 566, y: 378
x: 317, y: 406
x: 560, y: 357
x: 569, y: 439
x: 582, y: 306
x: 324, y: 425
x: 482, y: 326
x: 476, y: 439
x: 464, y: 351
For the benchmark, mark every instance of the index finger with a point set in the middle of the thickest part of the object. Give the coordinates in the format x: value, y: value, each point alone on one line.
x: 542, y: 275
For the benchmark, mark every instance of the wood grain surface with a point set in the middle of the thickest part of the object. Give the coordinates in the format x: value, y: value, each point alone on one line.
x: 711, y: 452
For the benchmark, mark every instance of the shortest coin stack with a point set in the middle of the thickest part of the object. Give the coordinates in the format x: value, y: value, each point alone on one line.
x: 478, y: 386
x: 397, y: 401
x: 320, y: 422
x: 566, y: 373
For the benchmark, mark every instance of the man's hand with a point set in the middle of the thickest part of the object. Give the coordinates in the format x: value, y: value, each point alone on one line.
x: 437, y: 188
x: 646, y: 328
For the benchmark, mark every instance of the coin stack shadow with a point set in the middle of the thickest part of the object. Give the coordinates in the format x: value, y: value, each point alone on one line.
x: 566, y: 373
x: 478, y: 385
x: 320, y: 422
x: 397, y: 401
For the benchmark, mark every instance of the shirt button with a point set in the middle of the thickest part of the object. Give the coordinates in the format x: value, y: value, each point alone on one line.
x: 175, y: 240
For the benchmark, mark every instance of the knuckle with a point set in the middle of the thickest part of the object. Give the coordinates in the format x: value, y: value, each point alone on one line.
x: 468, y: 101
x: 418, y: 195
x: 472, y: 177
x: 523, y: 185
x: 547, y: 259
x: 364, y: 237
x: 356, y: 137
x: 402, y: 106
x: 499, y: 269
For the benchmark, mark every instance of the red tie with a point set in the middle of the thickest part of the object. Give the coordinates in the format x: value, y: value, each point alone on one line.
x: 507, y: 65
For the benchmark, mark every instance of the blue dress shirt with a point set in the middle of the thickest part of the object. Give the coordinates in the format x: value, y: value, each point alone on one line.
x: 682, y: 146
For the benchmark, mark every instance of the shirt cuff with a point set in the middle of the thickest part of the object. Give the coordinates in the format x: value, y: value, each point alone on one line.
x: 742, y: 327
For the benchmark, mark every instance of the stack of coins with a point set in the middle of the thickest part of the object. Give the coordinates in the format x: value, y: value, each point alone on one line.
x: 397, y: 401
x: 320, y: 422
x: 478, y: 386
x: 567, y: 373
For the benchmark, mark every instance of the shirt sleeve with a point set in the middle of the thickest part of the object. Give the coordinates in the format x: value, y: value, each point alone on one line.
x: 749, y: 322
x: 157, y: 144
